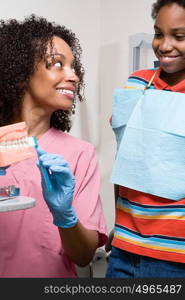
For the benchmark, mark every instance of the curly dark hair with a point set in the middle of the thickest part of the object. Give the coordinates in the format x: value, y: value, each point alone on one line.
x: 23, y: 44
x: 160, y: 3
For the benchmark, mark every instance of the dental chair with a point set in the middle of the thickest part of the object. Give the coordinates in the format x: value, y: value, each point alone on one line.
x: 96, y: 268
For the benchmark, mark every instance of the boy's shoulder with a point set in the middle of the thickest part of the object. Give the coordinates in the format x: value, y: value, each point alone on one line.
x: 140, y: 78
x: 145, y: 74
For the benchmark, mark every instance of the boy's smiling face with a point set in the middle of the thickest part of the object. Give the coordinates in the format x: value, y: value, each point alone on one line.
x: 169, y: 40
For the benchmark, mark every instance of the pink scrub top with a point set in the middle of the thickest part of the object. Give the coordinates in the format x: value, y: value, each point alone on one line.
x: 30, y: 245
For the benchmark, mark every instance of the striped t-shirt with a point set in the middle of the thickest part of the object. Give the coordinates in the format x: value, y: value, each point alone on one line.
x: 145, y: 224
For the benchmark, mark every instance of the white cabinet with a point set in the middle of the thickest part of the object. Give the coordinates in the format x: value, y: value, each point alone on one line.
x: 141, y: 54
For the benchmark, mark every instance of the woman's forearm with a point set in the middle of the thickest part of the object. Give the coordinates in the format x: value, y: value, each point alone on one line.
x: 79, y: 243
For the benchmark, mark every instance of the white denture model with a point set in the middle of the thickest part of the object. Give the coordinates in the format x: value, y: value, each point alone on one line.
x: 15, y: 145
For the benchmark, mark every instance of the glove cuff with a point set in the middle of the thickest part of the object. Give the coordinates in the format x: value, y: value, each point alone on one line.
x: 66, y: 219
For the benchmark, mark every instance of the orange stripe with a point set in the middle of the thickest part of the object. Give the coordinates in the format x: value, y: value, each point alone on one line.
x: 133, y: 87
x: 140, y: 250
x: 150, y: 246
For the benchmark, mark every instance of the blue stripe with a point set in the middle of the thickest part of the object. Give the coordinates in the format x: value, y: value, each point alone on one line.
x: 138, y: 82
x: 149, y: 235
x: 151, y: 240
x: 146, y: 210
x: 155, y: 206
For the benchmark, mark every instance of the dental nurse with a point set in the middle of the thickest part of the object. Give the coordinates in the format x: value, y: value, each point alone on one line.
x: 41, y: 78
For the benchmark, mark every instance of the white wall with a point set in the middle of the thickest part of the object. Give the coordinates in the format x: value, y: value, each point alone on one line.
x: 103, y: 27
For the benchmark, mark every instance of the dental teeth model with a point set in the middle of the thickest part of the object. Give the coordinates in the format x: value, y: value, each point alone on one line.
x: 14, y: 144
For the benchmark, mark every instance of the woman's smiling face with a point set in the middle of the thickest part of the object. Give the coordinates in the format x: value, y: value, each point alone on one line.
x: 53, y: 84
x: 169, y: 39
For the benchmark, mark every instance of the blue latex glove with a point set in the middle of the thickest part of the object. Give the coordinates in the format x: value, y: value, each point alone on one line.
x: 3, y: 170
x: 58, y: 185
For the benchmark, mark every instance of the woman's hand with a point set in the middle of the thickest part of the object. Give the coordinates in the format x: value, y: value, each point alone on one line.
x: 58, y: 185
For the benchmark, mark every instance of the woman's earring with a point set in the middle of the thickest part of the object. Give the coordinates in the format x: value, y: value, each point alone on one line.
x: 73, y: 107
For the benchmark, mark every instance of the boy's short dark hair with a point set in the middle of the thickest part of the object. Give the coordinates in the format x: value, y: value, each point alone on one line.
x: 160, y: 3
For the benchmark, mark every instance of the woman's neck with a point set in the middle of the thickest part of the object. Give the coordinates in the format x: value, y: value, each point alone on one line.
x: 38, y: 129
x: 36, y: 119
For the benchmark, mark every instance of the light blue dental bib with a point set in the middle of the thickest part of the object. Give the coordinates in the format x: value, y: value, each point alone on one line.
x: 150, y: 132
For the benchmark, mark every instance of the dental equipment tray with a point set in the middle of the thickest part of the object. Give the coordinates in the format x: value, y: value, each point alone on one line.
x: 16, y: 203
